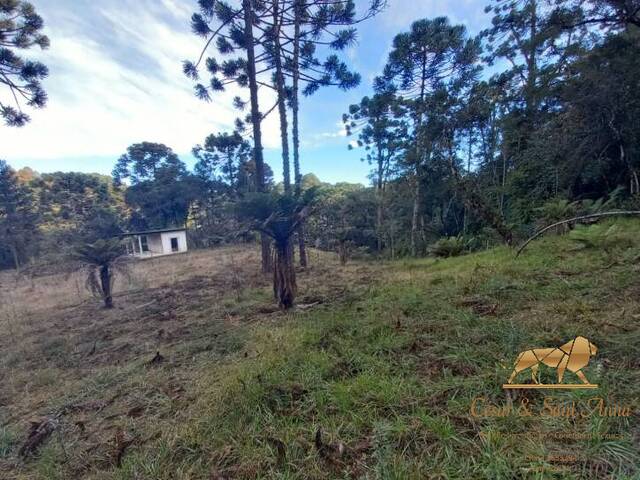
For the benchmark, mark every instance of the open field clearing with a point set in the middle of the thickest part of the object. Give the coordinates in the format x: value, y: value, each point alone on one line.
x: 319, y: 240
x: 63, y: 356
x: 372, y: 376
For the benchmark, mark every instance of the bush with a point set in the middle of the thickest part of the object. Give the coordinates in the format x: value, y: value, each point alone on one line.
x: 601, y: 236
x: 448, y: 247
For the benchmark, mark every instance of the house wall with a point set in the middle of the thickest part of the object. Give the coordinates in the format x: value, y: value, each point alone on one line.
x: 154, y: 241
x: 166, y: 241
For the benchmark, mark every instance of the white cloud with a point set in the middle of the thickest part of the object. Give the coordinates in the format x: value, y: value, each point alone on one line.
x: 102, y: 99
x: 401, y: 13
x: 321, y: 139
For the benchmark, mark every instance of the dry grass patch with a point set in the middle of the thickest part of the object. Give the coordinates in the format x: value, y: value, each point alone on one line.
x: 96, y: 373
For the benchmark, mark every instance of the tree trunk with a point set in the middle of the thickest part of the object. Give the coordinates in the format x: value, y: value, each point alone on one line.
x: 302, y: 248
x: 634, y: 184
x: 504, y: 182
x: 283, y: 270
x: 392, y: 242
x: 419, y: 157
x: 342, y: 252
x: 256, y: 119
x: 380, y: 201
x: 416, y: 213
x: 282, y: 106
x: 530, y: 93
x: 265, y: 247
x: 16, y: 257
x: 295, y: 107
x: 379, y: 216
x: 284, y: 275
x: 105, y: 285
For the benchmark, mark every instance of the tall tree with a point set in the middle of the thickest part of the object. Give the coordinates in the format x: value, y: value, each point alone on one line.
x: 222, y: 171
x: 305, y: 26
x: 20, y: 29
x: 222, y: 156
x: 18, y: 217
x: 433, y: 55
x: 274, y: 43
x: 527, y: 35
x: 161, y: 189
x: 312, y: 23
x: 382, y: 130
x: 593, y: 141
x: 613, y: 15
x: 274, y: 47
x: 230, y: 29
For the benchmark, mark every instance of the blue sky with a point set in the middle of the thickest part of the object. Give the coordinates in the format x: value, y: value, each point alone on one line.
x: 115, y: 79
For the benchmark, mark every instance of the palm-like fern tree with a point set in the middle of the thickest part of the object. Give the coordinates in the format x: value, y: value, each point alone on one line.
x: 100, y: 260
x: 279, y: 217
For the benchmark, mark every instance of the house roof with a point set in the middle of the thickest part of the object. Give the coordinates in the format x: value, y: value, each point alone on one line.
x: 147, y: 232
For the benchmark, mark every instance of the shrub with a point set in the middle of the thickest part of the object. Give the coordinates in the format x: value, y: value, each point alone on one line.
x: 448, y: 247
x: 601, y: 236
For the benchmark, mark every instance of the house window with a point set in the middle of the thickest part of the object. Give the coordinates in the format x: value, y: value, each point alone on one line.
x: 174, y: 244
x: 144, y: 243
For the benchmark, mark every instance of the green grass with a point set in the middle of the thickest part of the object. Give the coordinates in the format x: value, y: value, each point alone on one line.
x: 388, y: 374
x: 7, y: 441
x: 392, y: 375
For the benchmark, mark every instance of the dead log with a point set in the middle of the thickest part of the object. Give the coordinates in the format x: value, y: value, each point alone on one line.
x: 38, y: 434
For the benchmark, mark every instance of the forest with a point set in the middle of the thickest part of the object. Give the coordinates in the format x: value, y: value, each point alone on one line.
x: 472, y: 141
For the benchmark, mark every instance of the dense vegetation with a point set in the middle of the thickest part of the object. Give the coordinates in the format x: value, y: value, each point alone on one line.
x: 472, y: 141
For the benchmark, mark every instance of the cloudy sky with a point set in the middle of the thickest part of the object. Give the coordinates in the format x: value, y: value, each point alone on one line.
x: 115, y: 79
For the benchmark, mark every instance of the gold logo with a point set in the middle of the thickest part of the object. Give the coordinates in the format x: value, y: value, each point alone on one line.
x: 573, y: 356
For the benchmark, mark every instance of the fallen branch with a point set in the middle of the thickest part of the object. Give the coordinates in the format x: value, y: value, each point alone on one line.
x: 575, y: 219
x: 38, y: 433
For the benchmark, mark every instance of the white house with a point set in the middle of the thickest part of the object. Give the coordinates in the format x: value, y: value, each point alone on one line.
x: 153, y: 243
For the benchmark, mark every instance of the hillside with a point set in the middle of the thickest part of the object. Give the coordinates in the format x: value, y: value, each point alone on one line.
x: 372, y: 376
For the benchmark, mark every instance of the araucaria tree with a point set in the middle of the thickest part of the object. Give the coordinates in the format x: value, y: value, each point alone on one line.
x: 20, y: 29
x: 161, y: 190
x: 223, y: 173
x: 382, y: 130
x: 284, y: 48
x: 315, y: 19
x: 222, y: 158
x: 235, y: 60
x: 432, y: 57
x: 304, y: 27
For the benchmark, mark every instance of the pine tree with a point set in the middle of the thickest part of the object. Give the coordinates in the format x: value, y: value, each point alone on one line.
x: 20, y: 29
x: 432, y: 56
x: 18, y: 216
x: 381, y: 127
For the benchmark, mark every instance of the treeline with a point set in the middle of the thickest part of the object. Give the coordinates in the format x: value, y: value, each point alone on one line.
x: 45, y: 217
x: 42, y: 216
x: 458, y: 151
x: 473, y: 140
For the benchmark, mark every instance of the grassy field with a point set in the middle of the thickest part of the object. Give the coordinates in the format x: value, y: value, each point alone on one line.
x: 372, y: 376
